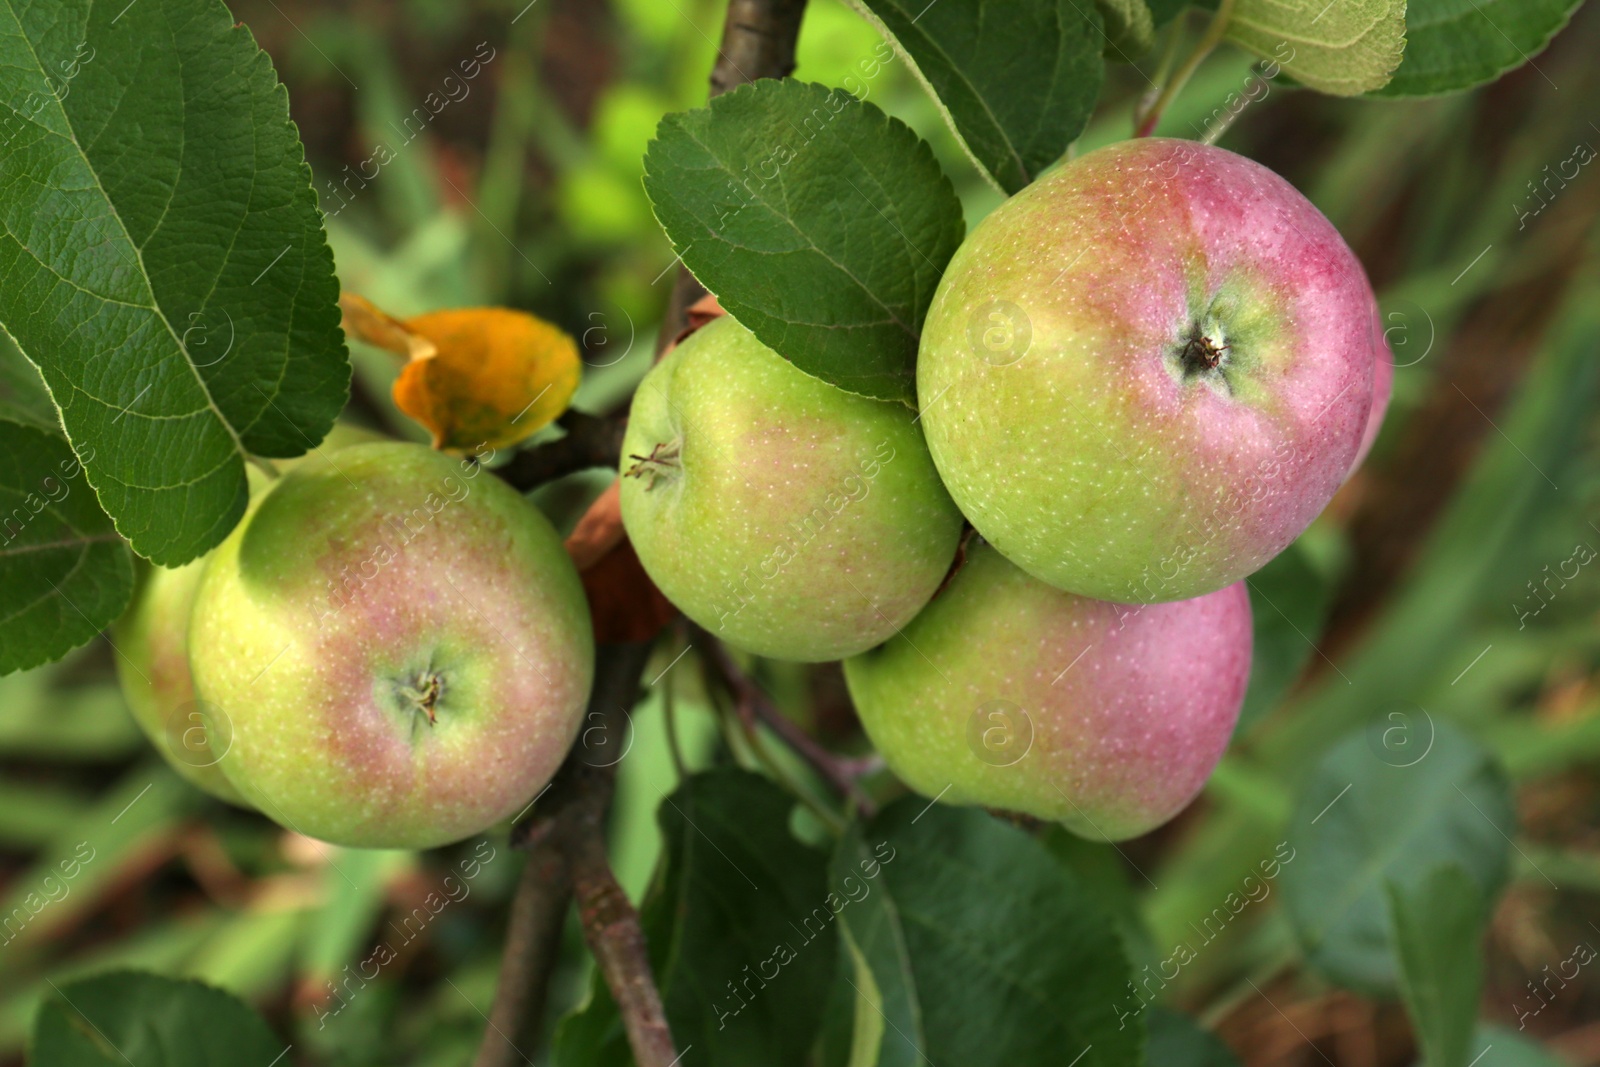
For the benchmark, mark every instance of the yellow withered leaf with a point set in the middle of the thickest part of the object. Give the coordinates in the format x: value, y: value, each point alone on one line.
x: 474, y: 376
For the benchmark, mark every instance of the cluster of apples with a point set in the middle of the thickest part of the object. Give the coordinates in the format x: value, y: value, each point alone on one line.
x: 1140, y: 379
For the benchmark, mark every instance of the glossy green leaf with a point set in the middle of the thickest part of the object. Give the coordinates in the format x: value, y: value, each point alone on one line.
x: 65, y: 572
x: 127, y: 1017
x: 1016, y: 79
x: 1289, y: 602
x: 984, y: 950
x: 170, y: 279
x: 741, y: 929
x: 1387, y: 805
x: 821, y: 223
x: 1456, y: 44
x: 1342, y: 47
x: 1438, y: 935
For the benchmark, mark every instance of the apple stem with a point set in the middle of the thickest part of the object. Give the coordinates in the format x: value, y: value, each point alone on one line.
x: 1146, y: 119
x: 662, y: 460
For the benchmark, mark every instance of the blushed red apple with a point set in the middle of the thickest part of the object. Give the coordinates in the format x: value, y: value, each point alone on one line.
x: 401, y: 645
x: 1011, y: 694
x: 1145, y: 374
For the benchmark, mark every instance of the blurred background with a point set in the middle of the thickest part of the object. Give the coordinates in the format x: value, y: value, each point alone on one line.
x: 490, y: 153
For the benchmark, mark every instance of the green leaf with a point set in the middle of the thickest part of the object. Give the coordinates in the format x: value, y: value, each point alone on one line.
x: 1438, y: 932
x: 23, y: 396
x: 1289, y: 602
x: 741, y: 931
x: 1016, y: 79
x: 983, y: 949
x: 128, y: 1017
x: 1387, y: 804
x: 1103, y: 872
x: 65, y: 572
x: 170, y: 278
x: 1342, y: 47
x: 821, y: 223
x: 1177, y: 1041
x: 1456, y: 44
x: 1130, y: 28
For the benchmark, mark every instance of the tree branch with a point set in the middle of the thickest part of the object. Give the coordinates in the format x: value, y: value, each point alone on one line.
x: 533, y: 940
x: 590, y: 441
x: 566, y: 837
x: 758, y: 40
x: 565, y: 843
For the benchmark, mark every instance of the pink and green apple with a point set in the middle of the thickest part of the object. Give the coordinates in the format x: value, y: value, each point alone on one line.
x: 401, y: 645
x: 786, y: 516
x: 1008, y: 693
x: 1145, y: 374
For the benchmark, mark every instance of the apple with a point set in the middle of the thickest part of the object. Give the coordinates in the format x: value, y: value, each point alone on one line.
x: 1011, y: 694
x: 1146, y: 373
x: 153, y: 653
x: 153, y: 665
x: 401, y: 646
x: 1382, y: 389
x: 787, y: 516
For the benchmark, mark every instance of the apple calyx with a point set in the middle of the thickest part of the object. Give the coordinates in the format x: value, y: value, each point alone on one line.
x: 662, y: 462
x: 1204, y: 351
x: 424, y: 694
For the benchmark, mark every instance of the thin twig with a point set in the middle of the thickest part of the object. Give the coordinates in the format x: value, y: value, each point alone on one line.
x: 840, y: 772
x: 590, y: 441
x: 572, y: 822
x: 533, y: 939
x: 1145, y: 123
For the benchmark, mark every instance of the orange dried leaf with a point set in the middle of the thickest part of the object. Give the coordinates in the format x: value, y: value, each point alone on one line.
x: 496, y: 377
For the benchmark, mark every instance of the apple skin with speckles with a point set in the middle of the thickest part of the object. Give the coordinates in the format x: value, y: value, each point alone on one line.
x: 1146, y: 373
x: 1008, y: 693
x: 788, y: 517
x: 401, y: 646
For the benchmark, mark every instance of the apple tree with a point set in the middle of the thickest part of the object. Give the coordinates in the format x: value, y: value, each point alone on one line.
x: 1038, y: 475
